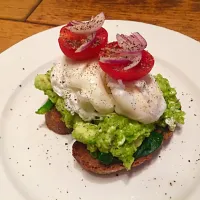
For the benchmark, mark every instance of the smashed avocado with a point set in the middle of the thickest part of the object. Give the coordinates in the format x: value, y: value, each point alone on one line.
x: 116, y: 135
x: 173, y: 115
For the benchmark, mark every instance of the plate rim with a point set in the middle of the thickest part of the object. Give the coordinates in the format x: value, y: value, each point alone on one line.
x: 52, y: 31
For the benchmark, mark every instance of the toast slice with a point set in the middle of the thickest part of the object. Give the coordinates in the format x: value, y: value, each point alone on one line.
x: 87, y: 162
x: 82, y: 155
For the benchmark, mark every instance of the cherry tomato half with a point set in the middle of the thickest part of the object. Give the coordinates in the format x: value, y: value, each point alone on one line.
x: 69, y: 42
x: 117, y: 71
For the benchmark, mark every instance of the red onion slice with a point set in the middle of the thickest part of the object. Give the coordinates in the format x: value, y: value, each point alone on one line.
x: 133, y: 43
x: 87, y: 43
x: 88, y: 27
x: 113, y: 60
x: 135, y: 59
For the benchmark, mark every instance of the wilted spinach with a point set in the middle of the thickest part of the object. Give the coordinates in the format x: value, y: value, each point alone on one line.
x: 149, y: 145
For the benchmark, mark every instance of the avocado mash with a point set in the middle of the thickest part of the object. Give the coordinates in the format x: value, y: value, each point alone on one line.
x: 173, y: 114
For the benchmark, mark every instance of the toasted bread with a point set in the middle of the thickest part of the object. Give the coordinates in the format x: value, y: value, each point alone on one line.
x: 54, y: 122
x: 87, y: 162
x: 83, y: 157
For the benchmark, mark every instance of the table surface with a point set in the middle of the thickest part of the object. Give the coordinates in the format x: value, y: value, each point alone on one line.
x: 20, y: 19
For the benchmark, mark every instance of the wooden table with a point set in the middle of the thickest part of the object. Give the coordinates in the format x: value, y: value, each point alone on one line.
x: 20, y: 19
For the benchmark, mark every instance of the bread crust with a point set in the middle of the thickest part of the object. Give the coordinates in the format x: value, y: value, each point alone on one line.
x: 54, y: 122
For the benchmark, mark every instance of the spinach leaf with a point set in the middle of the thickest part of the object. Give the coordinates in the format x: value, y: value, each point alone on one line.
x: 105, y: 158
x: 45, y: 108
x: 149, y: 145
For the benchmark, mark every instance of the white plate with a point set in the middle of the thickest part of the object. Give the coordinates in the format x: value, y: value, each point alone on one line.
x: 36, y: 164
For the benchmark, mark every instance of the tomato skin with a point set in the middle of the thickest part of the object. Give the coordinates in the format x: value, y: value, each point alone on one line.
x: 68, y: 42
x: 117, y: 71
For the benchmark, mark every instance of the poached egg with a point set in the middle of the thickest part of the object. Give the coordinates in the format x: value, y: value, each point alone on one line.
x: 140, y: 100
x: 90, y: 93
x: 82, y: 86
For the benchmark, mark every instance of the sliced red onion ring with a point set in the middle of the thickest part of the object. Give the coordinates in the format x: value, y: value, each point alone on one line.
x: 133, y: 43
x: 88, y: 27
x: 130, y: 51
x: 87, y: 43
x: 113, y: 60
x: 140, y: 38
x: 135, y: 59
